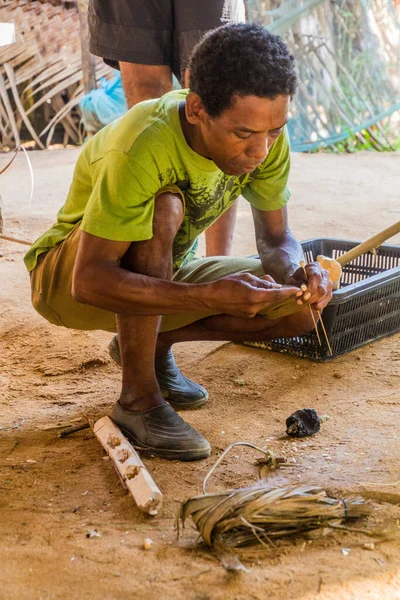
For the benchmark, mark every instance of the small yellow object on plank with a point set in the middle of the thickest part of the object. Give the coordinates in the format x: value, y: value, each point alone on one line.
x: 131, y: 470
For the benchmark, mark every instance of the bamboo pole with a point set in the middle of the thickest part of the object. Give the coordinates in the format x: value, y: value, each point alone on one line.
x: 289, y: 306
x: 373, y: 242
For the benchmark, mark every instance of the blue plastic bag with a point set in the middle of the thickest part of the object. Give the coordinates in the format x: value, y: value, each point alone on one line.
x: 104, y: 105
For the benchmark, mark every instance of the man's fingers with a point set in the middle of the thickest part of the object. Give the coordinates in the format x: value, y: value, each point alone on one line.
x: 266, y: 285
x: 297, y: 278
x: 318, y: 289
x: 268, y: 278
x: 277, y: 295
x: 266, y: 282
x: 314, y: 280
x: 321, y: 303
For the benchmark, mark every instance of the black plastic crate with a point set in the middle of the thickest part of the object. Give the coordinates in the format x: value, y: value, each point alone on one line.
x: 364, y: 309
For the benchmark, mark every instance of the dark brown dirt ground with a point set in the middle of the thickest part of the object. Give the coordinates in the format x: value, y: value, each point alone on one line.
x: 54, y: 491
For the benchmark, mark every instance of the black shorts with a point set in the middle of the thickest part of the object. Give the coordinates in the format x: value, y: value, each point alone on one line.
x: 155, y: 32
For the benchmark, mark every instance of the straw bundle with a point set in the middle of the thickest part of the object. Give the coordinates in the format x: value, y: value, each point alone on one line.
x: 41, y: 74
x: 260, y: 513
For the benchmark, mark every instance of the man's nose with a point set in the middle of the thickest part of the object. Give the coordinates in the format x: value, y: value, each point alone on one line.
x: 258, y: 151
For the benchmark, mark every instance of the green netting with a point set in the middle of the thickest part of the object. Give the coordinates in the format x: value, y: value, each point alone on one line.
x: 348, y: 59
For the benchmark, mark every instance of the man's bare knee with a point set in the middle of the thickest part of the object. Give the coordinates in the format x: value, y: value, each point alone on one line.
x: 168, y: 217
x: 153, y: 257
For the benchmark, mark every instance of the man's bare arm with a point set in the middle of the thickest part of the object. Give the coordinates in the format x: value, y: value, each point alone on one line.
x: 99, y: 280
x: 280, y: 252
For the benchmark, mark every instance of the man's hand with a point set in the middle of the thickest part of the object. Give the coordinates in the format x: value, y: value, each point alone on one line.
x: 245, y: 295
x: 319, y: 286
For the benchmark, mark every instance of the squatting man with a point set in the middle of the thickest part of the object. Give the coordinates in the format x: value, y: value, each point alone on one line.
x: 121, y: 256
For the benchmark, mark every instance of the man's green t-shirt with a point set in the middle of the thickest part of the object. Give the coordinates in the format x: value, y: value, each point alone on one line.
x: 120, y: 172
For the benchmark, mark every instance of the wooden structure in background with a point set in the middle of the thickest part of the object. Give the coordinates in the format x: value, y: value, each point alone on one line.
x: 41, y: 75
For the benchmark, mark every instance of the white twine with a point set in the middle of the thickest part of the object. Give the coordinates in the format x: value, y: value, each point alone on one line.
x: 31, y: 174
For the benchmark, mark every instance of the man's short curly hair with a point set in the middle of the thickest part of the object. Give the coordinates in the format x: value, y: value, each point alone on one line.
x: 243, y: 60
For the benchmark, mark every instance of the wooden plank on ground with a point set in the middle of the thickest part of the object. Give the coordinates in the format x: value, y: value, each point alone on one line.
x: 129, y: 466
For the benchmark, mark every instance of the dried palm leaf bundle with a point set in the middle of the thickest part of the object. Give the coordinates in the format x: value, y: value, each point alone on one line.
x: 263, y: 512
x: 260, y: 513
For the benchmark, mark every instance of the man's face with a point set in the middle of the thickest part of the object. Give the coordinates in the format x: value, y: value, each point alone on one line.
x: 239, y: 139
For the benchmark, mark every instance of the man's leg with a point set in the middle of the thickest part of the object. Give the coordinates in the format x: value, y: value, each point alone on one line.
x: 235, y: 329
x: 138, y: 335
x: 141, y: 410
x: 137, y: 35
x: 144, y: 82
x: 190, y: 326
x: 219, y: 237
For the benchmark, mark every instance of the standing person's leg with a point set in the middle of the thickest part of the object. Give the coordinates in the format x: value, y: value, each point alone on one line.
x: 219, y: 237
x: 191, y: 21
x: 144, y: 82
x: 138, y: 36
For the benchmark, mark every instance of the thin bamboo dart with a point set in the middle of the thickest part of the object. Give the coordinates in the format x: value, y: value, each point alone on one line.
x: 325, y: 334
x: 315, y: 325
x: 303, y: 265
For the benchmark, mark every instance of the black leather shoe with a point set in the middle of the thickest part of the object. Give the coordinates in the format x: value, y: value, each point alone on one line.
x: 178, y: 390
x: 162, y: 432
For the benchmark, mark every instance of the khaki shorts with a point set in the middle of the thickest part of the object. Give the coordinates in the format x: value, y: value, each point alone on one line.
x: 51, y: 283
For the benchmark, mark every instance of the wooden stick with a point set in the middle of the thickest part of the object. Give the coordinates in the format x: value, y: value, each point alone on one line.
x: 315, y: 325
x: 88, y: 60
x: 368, y: 245
x: 16, y: 240
x: 4, y: 169
x: 74, y: 429
x: 325, y: 334
x: 130, y: 468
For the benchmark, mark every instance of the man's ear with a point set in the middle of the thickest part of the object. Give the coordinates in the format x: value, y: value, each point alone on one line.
x: 195, y: 111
